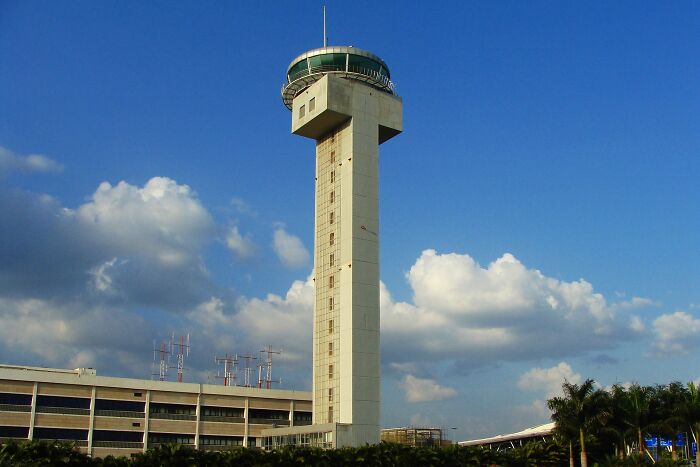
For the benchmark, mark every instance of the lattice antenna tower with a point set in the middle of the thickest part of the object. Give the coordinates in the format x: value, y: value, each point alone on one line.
x: 265, y: 367
x: 183, y: 350
x: 248, y: 370
x: 231, y: 368
x: 161, y: 361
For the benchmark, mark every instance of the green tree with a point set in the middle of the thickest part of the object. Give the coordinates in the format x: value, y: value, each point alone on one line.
x: 691, y: 414
x: 583, y: 408
x: 636, y: 412
x: 670, y: 402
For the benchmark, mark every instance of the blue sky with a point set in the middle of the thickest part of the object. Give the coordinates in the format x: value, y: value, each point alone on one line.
x: 539, y: 214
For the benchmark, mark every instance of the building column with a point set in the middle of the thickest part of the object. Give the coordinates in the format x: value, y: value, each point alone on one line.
x: 32, y: 417
x: 147, y: 417
x: 198, y: 411
x: 291, y: 412
x: 91, y: 428
x: 245, y: 421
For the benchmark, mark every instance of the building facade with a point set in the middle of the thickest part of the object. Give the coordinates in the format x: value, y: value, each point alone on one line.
x: 414, y: 436
x: 343, y: 98
x: 121, y: 416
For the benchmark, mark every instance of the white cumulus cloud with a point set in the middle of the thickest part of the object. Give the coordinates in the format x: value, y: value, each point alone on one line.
x: 548, y: 380
x: 425, y: 389
x: 163, y: 219
x: 504, y: 311
x: 13, y: 162
x: 289, y: 249
x: 676, y: 332
x: 242, y: 246
x: 251, y: 323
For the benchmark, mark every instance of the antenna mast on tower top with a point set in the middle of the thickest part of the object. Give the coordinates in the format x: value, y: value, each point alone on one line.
x: 325, y: 38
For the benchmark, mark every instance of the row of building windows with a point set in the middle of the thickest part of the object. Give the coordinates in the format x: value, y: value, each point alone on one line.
x: 170, y: 438
x: 63, y: 402
x: 173, y: 409
x: 14, y: 432
x: 135, y: 406
x: 268, y: 414
x: 15, y: 399
x: 60, y: 434
x: 302, y: 416
x: 122, y: 406
x: 124, y: 436
x: 206, y: 440
x: 222, y: 412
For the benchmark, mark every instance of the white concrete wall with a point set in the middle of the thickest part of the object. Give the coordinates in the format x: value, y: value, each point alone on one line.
x: 346, y: 121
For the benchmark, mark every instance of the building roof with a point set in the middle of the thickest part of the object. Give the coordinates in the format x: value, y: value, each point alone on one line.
x: 88, y: 377
x: 533, y: 432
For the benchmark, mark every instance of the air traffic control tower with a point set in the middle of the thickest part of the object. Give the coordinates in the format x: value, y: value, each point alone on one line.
x: 344, y: 99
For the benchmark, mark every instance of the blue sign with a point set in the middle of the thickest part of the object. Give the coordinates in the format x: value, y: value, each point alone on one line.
x: 664, y: 442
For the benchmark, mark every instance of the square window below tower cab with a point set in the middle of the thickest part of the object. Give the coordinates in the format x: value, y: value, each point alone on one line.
x: 312, y: 104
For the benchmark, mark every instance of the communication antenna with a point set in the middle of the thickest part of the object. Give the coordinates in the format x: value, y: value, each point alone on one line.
x: 161, y: 360
x: 183, y: 350
x: 265, y: 366
x: 230, y: 375
x: 325, y: 37
x: 248, y: 370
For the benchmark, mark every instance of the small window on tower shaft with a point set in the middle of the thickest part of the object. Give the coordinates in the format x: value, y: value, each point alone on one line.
x: 331, y: 217
x: 330, y: 349
x: 332, y: 157
x: 332, y: 176
x: 330, y: 326
x: 330, y: 303
x: 330, y: 414
x: 312, y: 104
x: 331, y: 282
x: 331, y: 239
x: 302, y: 111
x: 332, y: 196
x: 330, y: 371
x: 330, y: 394
x: 331, y: 259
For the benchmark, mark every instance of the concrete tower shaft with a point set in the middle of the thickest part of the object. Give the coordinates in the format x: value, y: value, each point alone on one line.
x: 348, y: 118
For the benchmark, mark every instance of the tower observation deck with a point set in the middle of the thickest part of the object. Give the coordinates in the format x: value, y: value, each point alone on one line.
x: 344, y: 99
x: 347, y: 62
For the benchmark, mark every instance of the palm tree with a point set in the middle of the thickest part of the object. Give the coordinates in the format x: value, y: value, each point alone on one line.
x: 691, y: 414
x: 636, y: 411
x: 670, y: 405
x: 563, y: 416
x: 616, y: 427
x: 582, y: 408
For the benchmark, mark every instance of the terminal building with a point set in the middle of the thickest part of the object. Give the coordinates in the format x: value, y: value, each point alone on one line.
x: 414, y: 436
x: 514, y: 440
x: 120, y: 416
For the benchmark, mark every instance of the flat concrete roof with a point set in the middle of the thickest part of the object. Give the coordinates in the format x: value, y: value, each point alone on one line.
x: 83, y: 376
